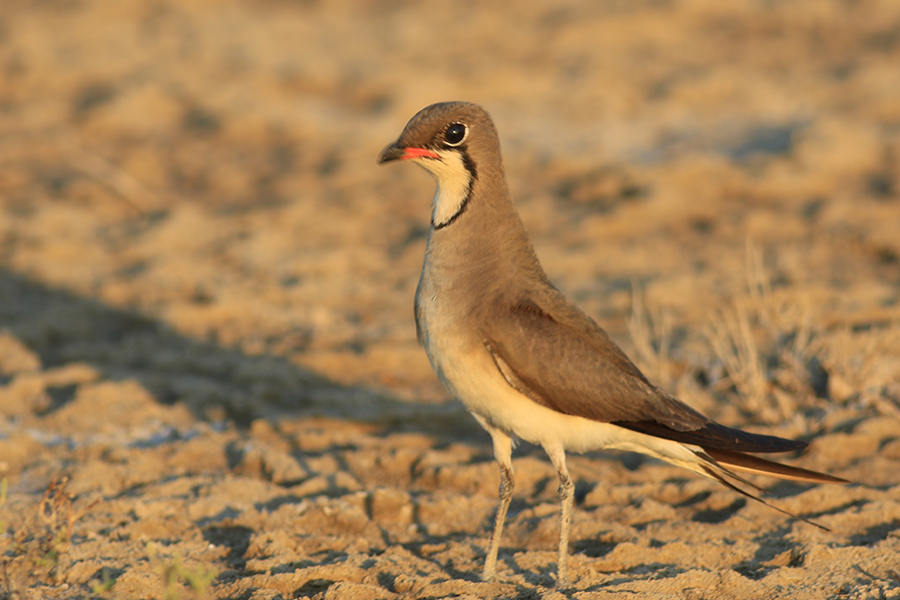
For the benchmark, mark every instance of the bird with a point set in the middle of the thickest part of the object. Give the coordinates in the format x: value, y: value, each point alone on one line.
x: 525, y: 361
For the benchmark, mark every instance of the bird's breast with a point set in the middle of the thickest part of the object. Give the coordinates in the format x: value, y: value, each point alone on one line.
x: 447, y: 322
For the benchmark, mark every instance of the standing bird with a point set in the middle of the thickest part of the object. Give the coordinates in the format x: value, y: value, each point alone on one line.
x: 525, y: 361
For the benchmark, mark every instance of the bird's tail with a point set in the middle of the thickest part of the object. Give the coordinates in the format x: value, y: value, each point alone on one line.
x: 721, y: 464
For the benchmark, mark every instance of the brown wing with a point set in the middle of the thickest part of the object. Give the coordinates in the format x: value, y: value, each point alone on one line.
x: 561, y: 359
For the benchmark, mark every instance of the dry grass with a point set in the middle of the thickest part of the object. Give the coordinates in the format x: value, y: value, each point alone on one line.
x: 35, y: 549
x: 864, y: 366
x: 768, y: 347
x: 652, y: 339
x: 33, y: 554
x: 782, y: 364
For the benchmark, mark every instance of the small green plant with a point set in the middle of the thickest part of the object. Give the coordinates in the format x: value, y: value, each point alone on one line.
x: 176, y: 575
x: 103, y: 587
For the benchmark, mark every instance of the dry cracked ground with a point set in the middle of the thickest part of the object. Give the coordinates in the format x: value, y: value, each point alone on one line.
x: 210, y: 385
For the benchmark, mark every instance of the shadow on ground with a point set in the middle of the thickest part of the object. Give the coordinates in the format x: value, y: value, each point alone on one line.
x: 214, y: 382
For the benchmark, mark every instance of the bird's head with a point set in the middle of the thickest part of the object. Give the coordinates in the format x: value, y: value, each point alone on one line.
x: 454, y: 141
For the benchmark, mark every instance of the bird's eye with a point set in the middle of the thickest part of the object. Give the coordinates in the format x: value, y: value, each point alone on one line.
x: 456, y: 134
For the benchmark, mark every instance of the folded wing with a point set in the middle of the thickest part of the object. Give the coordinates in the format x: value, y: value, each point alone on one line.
x: 557, y: 356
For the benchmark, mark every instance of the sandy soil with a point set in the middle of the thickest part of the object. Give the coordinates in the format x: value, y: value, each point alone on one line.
x: 209, y: 379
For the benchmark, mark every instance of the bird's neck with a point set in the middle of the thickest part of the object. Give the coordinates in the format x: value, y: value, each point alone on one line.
x: 483, y: 241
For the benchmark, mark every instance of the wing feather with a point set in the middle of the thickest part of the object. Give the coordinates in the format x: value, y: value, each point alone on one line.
x: 567, y: 363
x: 560, y: 358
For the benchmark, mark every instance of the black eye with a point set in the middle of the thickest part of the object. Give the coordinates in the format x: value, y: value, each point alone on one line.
x: 455, y: 135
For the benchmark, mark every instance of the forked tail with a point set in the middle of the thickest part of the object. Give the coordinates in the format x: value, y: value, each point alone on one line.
x: 721, y: 464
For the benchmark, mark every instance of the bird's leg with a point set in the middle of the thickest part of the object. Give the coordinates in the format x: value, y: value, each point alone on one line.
x: 503, y: 454
x: 566, y: 499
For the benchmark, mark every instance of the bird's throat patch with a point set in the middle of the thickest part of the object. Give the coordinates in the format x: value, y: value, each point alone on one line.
x: 454, y: 187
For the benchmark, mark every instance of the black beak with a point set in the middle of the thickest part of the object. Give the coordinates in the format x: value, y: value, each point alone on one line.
x: 392, y: 152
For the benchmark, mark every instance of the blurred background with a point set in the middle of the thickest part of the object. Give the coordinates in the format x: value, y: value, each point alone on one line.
x: 206, y: 286
x: 211, y: 164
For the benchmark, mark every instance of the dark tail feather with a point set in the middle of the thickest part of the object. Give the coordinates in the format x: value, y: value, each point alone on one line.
x: 718, y: 477
x: 718, y: 461
x: 761, y: 466
x: 723, y: 449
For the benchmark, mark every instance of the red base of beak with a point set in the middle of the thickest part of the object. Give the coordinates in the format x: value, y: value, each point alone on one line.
x: 417, y: 153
